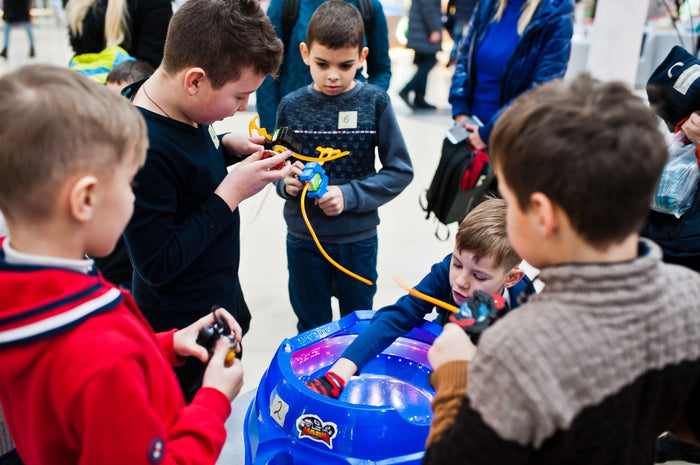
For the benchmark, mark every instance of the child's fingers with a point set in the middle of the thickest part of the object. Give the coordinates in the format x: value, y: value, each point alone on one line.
x: 221, y: 350
x: 231, y: 322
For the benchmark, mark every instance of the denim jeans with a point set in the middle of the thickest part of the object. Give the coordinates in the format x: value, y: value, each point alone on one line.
x: 27, y: 26
x: 313, y: 280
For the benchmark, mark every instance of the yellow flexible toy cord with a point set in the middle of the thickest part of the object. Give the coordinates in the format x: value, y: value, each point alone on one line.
x: 318, y: 244
x: 426, y: 297
x: 327, y: 154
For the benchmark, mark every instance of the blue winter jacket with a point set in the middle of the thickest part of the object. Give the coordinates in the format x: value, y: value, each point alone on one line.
x: 294, y: 74
x: 542, y: 54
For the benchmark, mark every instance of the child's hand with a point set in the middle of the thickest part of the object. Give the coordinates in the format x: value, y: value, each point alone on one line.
x: 691, y: 128
x: 451, y: 345
x: 185, y: 340
x: 240, y: 145
x: 474, y: 138
x: 292, y: 185
x: 250, y: 176
x: 227, y: 378
x: 332, y: 203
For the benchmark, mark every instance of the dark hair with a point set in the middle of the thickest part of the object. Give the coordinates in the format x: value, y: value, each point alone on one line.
x: 593, y: 148
x: 223, y: 37
x: 130, y: 71
x: 336, y: 24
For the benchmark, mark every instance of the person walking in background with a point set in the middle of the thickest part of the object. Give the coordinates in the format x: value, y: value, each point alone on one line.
x: 294, y: 74
x: 17, y: 12
x: 510, y: 46
x: 425, y: 38
x: 138, y: 26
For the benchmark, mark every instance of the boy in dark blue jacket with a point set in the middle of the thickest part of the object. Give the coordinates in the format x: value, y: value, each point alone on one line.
x: 483, y: 259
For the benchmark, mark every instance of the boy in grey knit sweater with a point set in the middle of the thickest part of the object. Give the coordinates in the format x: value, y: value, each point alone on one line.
x: 338, y: 111
x: 607, y: 356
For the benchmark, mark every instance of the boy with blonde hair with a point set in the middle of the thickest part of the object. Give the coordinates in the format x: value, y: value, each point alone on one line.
x: 483, y: 259
x: 84, y: 378
x: 607, y: 357
x: 184, y: 237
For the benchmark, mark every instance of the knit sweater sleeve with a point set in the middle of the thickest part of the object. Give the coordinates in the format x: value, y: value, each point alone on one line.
x: 369, y: 193
x: 450, y: 383
x: 457, y: 430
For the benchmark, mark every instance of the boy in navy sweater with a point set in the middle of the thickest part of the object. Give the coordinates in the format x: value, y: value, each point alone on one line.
x: 338, y: 111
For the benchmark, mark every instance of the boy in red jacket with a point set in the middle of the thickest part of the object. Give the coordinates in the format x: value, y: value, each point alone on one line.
x: 84, y: 378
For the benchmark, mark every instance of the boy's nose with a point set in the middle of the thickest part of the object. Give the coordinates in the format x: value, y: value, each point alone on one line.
x: 463, y: 282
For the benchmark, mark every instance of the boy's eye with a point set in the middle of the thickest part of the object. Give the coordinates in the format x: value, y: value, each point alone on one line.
x: 457, y: 265
x: 345, y: 66
x: 322, y: 65
x: 480, y: 277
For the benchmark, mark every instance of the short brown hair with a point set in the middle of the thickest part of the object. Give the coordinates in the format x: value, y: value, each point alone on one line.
x: 223, y: 37
x: 129, y: 71
x: 593, y: 148
x: 483, y: 232
x: 336, y: 24
x: 56, y: 123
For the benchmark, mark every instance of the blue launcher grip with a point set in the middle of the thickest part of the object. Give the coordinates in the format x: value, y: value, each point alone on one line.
x: 315, y: 175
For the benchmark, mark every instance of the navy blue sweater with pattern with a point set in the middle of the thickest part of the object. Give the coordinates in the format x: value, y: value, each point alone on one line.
x: 360, y: 121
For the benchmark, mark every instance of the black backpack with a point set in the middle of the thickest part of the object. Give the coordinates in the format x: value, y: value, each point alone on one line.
x: 445, y: 198
x: 290, y: 14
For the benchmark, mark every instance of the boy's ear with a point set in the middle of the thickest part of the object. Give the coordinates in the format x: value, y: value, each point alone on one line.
x: 513, y: 277
x: 304, y: 49
x: 81, y: 198
x: 544, y: 212
x: 193, y: 80
x: 363, y: 55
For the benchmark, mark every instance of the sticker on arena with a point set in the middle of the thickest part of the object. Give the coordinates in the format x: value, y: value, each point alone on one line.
x: 312, y: 427
x: 278, y: 410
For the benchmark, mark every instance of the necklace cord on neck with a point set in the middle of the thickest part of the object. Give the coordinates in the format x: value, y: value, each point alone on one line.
x: 153, y: 101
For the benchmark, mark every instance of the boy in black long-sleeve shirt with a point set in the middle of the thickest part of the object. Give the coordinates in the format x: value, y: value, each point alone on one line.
x: 183, y: 239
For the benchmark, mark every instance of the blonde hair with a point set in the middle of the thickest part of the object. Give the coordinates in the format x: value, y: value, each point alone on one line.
x: 56, y: 124
x: 116, y: 20
x: 483, y: 232
x: 526, y: 15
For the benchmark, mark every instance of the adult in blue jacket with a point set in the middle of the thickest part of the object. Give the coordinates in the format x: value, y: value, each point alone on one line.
x: 510, y: 46
x: 294, y: 74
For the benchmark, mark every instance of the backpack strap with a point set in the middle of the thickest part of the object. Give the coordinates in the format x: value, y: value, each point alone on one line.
x: 290, y: 14
x: 367, y: 11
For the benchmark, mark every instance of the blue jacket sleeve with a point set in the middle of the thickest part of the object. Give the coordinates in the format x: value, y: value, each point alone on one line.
x: 395, y: 320
x: 268, y: 97
x: 459, y: 88
x: 378, y: 61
